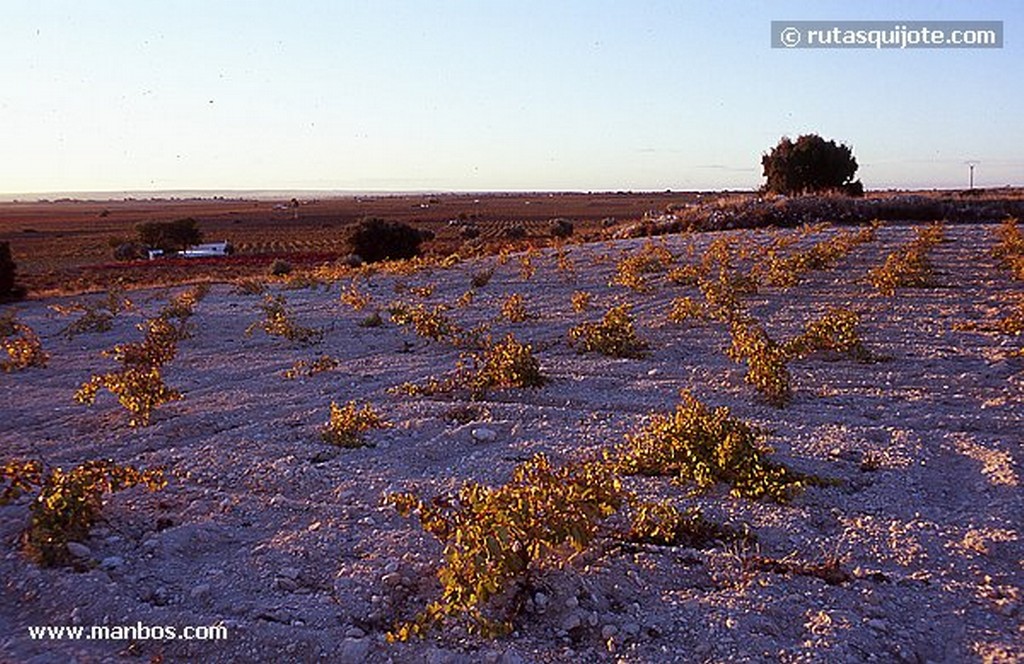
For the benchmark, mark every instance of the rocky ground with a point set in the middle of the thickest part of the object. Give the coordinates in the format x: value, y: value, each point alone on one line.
x: 282, y: 539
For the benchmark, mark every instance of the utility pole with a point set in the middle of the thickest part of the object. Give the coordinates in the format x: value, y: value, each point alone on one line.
x: 970, y: 166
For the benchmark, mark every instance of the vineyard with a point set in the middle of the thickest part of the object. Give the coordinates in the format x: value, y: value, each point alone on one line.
x: 749, y: 445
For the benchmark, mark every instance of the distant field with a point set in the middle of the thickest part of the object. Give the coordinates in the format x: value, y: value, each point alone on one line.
x: 60, y: 245
x: 67, y: 245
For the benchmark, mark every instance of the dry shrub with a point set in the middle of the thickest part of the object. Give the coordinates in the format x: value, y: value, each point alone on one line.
x: 834, y: 332
x: 685, y: 309
x: 310, y: 368
x: 765, y: 359
x: 651, y: 258
x: 494, y: 538
x: 428, y: 323
x: 704, y: 446
x: 277, y: 322
x: 1010, y: 248
x: 508, y: 364
x: 513, y: 309
x: 354, y: 297
x: 909, y: 266
x: 138, y: 384
x: 68, y: 502
x: 348, y: 423
x: 614, y: 336
x: 580, y: 301
x: 22, y: 345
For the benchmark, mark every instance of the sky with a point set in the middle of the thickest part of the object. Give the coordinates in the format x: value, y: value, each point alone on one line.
x: 486, y: 95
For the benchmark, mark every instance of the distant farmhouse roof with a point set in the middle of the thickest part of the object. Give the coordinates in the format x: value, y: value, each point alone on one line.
x: 207, y: 250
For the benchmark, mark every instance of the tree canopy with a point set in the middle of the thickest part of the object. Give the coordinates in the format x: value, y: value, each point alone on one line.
x: 809, y: 165
x: 179, y: 234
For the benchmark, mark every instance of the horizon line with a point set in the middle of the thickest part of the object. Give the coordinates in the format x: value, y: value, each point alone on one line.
x: 104, y: 195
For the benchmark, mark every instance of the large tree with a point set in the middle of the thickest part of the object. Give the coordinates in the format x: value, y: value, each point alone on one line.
x: 809, y: 165
x: 374, y: 239
x: 170, y: 235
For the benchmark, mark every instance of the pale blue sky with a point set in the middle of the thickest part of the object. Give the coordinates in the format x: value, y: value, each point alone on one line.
x: 485, y: 95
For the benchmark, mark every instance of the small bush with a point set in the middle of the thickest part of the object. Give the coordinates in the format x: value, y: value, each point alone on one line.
x: 8, y: 323
x: 8, y: 272
x: 428, y: 323
x: 310, y: 368
x: 580, y: 301
x: 684, y: 309
x: 466, y: 299
x: 374, y: 239
x: 481, y: 278
x: 908, y: 266
x: 663, y: 524
x: 513, y: 309
x: 68, y: 503
x: 507, y: 364
x: 465, y: 413
x: 504, y: 365
x: 277, y: 322
x: 526, y: 267
x: 423, y: 291
x: 158, y: 347
x: 685, y: 275
x: 22, y: 345
x: 1013, y: 322
x: 649, y: 259
x: 348, y: 423
x: 356, y: 298
x: 140, y: 390
x: 280, y: 268
x: 786, y: 272
x: 1010, y: 248
x: 96, y: 316
x: 250, y: 286
x: 495, y: 538
x: 514, y: 232
x: 560, y: 228
x: 765, y: 359
x: 835, y: 332
x: 614, y: 336
x: 183, y: 305
x: 371, y: 320
x: 565, y: 265
x: 301, y: 280
x: 138, y: 384
x: 704, y: 446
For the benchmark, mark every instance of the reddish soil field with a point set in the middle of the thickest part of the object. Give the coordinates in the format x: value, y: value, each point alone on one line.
x: 66, y: 245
